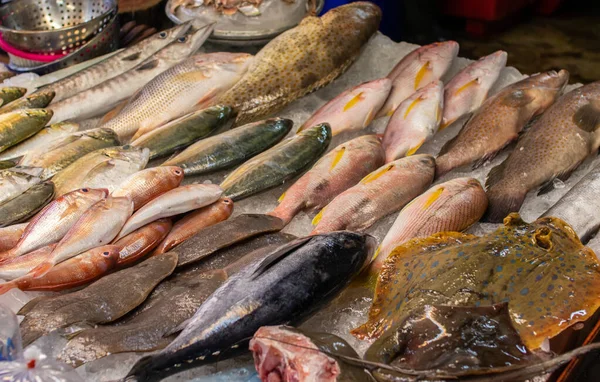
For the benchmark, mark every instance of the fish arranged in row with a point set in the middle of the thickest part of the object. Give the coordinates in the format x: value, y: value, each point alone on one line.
x: 470, y: 87
x: 114, y: 65
x: 19, y: 266
x: 414, y: 122
x: 15, y: 181
x: 42, y: 140
x: 342, y: 168
x: 11, y: 93
x: 33, y: 101
x: 278, y: 164
x: 148, y: 184
x: 380, y: 193
x: 354, y: 109
x: 194, y: 83
x: 557, y: 143
x: 19, y: 125
x: 23, y: 206
x: 141, y: 242
x: 103, y: 301
x: 288, y: 285
x: 418, y: 69
x: 500, y: 120
x: 451, y: 206
x: 302, y: 60
x: 231, y: 148
x: 184, y: 131
x: 101, y: 97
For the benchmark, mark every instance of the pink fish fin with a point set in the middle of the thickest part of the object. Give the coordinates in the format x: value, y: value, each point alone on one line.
x: 207, y: 98
x: 113, y: 113
x: 370, y: 117
x: 5, y: 287
x: 42, y: 269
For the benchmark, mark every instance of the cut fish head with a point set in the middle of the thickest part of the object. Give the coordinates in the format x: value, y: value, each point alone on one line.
x: 543, y: 88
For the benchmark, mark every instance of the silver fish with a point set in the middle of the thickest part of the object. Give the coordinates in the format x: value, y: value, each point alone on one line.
x: 43, y: 139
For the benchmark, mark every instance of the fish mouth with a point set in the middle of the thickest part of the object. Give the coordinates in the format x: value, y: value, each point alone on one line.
x: 182, y: 29
x: 199, y: 35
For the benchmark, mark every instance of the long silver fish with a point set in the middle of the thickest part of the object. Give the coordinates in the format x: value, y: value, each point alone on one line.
x: 114, y: 65
x: 102, y: 97
x: 195, y: 82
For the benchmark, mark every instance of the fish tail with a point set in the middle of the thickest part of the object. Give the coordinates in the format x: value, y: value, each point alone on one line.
x: 142, y: 371
x: 501, y: 203
x: 41, y: 269
x: 284, y: 213
x: 5, y: 287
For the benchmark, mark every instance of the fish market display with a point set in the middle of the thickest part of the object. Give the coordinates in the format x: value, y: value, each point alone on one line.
x: 79, y: 270
x: 34, y: 101
x: 177, y: 201
x: 354, y: 109
x: 466, y: 270
x: 184, y: 131
x: 500, y: 119
x: 20, y: 266
x: 231, y: 147
x: 139, y: 243
x: 19, y: 125
x: 100, y: 98
x: 418, y: 69
x: 105, y: 300
x: 286, y: 286
x: 15, y: 181
x: 450, y: 206
x: 98, y: 225
x: 114, y: 65
x: 145, y: 185
x: 278, y: 164
x: 103, y: 168
x: 195, y: 222
x: 22, y: 207
x: 380, y: 193
x: 563, y: 137
x: 340, y: 169
x: 9, y: 236
x: 42, y: 140
x: 414, y: 122
x: 62, y: 153
x: 9, y: 94
x: 581, y: 206
x: 319, y: 49
x: 470, y: 87
x: 194, y: 83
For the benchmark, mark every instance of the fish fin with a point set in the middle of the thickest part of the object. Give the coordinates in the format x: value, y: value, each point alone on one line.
x: 474, y: 81
x: 546, y: 187
x: 355, y: 100
x: 495, y: 175
x: 563, y: 176
x: 501, y: 203
x: 147, y: 65
x: 487, y: 157
x: 376, y: 174
x: 518, y: 98
x: 369, y: 118
x: 41, y: 270
x: 5, y: 287
x: 415, y: 148
x: 587, y: 117
x: 281, y: 198
x: 414, y: 103
x: 278, y: 254
x: 433, y: 197
x: 178, y: 328
x: 318, y: 217
x: 25, y: 309
x: 337, y: 157
x: 447, y: 146
x: 207, y: 98
x: 113, y: 113
x: 132, y: 57
x: 421, y: 74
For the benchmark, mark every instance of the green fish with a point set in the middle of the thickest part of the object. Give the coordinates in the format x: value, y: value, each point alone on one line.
x: 8, y: 163
x: 231, y: 147
x: 20, y: 125
x: 10, y: 94
x: 549, y: 279
x: 33, y: 101
x: 24, y: 206
x: 184, y: 131
x: 278, y: 164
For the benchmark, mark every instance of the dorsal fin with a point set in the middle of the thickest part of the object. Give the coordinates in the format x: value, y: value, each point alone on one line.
x: 132, y: 57
x: 151, y: 64
x: 279, y: 254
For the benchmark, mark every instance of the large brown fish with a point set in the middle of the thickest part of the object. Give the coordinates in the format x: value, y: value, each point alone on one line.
x: 302, y: 60
x: 500, y: 120
x: 564, y: 136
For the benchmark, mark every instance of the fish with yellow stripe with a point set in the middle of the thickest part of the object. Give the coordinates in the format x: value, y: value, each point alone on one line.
x: 354, y: 109
x: 380, y: 193
x: 469, y: 88
x: 446, y: 207
x: 415, y: 121
x: 340, y: 169
x: 418, y: 69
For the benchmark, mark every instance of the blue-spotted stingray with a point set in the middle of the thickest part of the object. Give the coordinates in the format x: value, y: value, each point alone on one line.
x: 548, y: 278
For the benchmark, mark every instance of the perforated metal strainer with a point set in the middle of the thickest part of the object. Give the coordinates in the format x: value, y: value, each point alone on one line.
x: 44, y: 26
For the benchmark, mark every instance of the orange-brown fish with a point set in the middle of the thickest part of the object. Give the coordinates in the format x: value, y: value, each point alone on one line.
x: 417, y: 69
x: 302, y: 60
x: 450, y: 206
x: 147, y: 184
x: 342, y: 168
x: 557, y: 143
x: 21, y: 265
x: 79, y: 270
x: 139, y: 243
x: 380, y: 193
x: 55, y: 220
x: 500, y: 119
x: 9, y: 236
x: 195, y: 222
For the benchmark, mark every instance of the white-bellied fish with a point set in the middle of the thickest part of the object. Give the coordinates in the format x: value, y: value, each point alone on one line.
x: 147, y: 184
x: 42, y: 140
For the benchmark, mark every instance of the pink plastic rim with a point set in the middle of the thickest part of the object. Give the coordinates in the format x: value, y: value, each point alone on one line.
x: 29, y: 56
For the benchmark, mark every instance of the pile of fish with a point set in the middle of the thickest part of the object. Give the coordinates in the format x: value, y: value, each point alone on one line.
x: 82, y: 213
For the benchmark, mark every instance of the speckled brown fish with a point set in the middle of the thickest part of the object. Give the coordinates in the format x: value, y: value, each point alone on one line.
x: 542, y: 270
x: 500, y: 120
x: 557, y: 143
x: 302, y: 60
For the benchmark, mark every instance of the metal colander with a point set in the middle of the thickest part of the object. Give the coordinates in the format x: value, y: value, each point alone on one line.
x: 44, y: 26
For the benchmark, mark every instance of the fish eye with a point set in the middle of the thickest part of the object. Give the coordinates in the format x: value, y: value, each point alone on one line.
x: 162, y: 35
x: 84, y: 190
x: 177, y: 172
x: 106, y: 253
x: 227, y: 201
x: 182, y: 39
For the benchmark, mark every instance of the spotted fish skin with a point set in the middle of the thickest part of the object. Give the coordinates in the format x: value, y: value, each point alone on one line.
x: 418, y: 69
x: 450, y: 206
x: 500, y: 120
x: 557, y: 143
x: 302, y: 60
x: 549, y: 279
